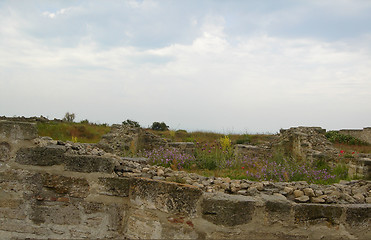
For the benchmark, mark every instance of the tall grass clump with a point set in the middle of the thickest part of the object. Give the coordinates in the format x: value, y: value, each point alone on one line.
x: 281, y: 168
x: 170, y: 157
x: 218, y: 154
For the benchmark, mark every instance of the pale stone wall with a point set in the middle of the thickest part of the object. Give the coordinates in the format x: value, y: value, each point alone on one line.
x: 46, y: 193
x: 364, y: 134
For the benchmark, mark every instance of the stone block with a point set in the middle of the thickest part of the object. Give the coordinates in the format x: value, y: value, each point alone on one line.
x: 115, y: 186
x: 143, y: 224
x: 88, y: 163
x: 228, y: 210
x: 312, y: 213
x: 5, y: 149
x: 359, y: 215
x: 20, y: 226
x: 277, y: 206
x: 41, y: 156
x: 92, y: 207
x: 55, y: 212
x: 71, y: 186
x: 13, y: 131
x: 116, y: 214
x: 165, y: 196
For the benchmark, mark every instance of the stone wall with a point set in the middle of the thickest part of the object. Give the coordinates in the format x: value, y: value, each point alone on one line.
x: 127, y: 140
x: 364, y: 134
x: 310, y: 144
x: 57, y: 191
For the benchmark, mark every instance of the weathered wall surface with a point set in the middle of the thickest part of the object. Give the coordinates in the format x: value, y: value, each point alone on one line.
x: 362, y: 134
x: 46, y: 192
x: 310, y: 144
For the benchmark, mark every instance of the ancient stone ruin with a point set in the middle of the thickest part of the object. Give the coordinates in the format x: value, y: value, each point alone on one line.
x: 62, y: 190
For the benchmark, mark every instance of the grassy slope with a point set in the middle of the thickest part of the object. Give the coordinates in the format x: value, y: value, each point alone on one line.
x: 83, y: 132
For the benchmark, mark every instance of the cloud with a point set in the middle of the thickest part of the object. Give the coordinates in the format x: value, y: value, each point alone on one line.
x: 211, y: 80
x: 52, y: 15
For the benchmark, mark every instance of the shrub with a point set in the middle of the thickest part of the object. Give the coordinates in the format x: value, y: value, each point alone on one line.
x: 157, y: 126
x: 86, y: 121
x: 131, y: 123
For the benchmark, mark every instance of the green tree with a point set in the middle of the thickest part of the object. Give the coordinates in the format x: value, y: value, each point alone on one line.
x: 69, y: 117
x: 159, y: 126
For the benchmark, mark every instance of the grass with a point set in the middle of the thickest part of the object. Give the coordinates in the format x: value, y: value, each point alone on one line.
x: 218, y: 159
x: 353, y: 148
x: 208, y: 137
x: 336, y: 137
x: 70, y: 131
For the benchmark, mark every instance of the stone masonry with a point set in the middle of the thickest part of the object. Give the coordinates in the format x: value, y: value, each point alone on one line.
x: 57, y: 190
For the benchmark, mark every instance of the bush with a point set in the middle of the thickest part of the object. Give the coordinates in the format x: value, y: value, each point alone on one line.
x: 86, y: 121
x: 131, y: 123
x: 157, y: 126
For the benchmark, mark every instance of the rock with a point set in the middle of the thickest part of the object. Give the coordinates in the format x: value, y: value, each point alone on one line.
x: 224, y: 186
x: 279, y: 196
x: 252, y: 191
x: 243, y: 192
x: 298, y: 193
x: 344, y: 182
x: 196, y: 184
x: 160, y: 172
x: 288, y: 190
x: 318, y: 193
x: 259, y: 186
x: 359, y: 198
x: 227, y: 180
x: 244, y: 185
x: 368, y: 200
x: 158, y: 178
x: 302, y: 199
x: 308, y: 192
x: 318, y: 199
x: 235, y: 186
x: 348, y: 198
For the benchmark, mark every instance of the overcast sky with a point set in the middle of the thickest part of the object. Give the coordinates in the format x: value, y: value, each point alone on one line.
x: 225, y: 66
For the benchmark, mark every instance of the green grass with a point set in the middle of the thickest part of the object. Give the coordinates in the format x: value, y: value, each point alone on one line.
x: 336, y: 137
x: 208, y: 137
x: 65, y: 131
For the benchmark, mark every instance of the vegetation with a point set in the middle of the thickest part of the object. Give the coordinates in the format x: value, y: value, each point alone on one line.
x: 131, y: 123
x: 336, y: 137
x: 214, y: 154
x: 157, y: 126
x: 70, y: 131
x: 208, y: 137
x: 219, y: 159
x: 353, y: 148
x: 69, y: 117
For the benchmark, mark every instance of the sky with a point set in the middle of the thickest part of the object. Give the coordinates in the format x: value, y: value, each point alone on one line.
x: 236, y: 66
